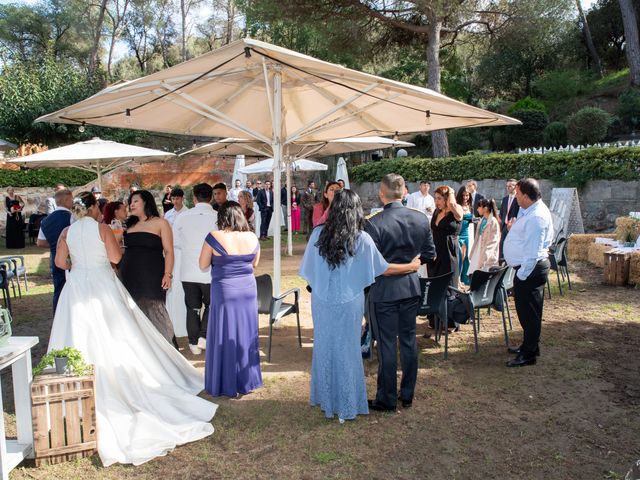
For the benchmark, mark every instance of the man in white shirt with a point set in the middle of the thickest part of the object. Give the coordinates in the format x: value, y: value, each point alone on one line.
x: 526, y: 248
x: 177, y: 199
x: 422, y: 200
x: 235, y: 191
x: 190, y: 230
x: 50, y: 202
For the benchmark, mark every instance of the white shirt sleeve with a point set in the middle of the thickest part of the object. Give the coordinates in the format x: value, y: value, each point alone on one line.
x: 534, y: 242
x: 41, y: 235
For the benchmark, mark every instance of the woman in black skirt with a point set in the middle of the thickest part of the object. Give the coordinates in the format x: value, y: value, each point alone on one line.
x: 15, y: 222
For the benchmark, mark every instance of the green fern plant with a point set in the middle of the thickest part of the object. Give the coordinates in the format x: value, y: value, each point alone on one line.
x: 75, y: 363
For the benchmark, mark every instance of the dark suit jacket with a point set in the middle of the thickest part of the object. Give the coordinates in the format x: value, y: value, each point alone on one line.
x: 262, y: 200
x: 283, y: 196
x: 479, y: 197
x: 52, y: 226
x: 400, y: 233
x: 513, y: 211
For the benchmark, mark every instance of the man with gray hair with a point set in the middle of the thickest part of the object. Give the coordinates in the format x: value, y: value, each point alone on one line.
x: 400, y: 234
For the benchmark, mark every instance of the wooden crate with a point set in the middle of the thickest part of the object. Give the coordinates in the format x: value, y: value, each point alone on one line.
x: 616, y: 268
x: 64, y: 418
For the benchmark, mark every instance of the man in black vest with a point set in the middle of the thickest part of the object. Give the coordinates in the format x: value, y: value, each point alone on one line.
x: 509, y: 209
x: 400, y: 234
x: 265, y: 204
x: 50, y: 230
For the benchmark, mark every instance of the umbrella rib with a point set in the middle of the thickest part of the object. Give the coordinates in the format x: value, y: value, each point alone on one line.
x: 226, y: 101
x: 267, y: 88
x: 338, y: 121
x: 216, y: 115
x: 298, y: 133
x: 328, y: 95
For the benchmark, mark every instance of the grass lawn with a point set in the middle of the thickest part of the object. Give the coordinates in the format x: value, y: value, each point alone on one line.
x: 576, y: 414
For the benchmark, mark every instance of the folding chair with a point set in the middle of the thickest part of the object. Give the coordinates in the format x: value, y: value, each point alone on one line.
x: 434, y: 302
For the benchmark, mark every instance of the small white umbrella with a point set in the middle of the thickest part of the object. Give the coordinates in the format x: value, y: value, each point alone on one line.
x: 237, y: 173
x: 96, y: 155
x: 6, y: 146
x: 342, y: 173
x: 300, y: 165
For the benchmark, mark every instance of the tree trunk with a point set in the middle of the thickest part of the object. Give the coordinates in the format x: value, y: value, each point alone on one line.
x: 597, y: 64
x: 632, y: 49
x: 93, y: 58
x: 439, y: 142
x: 183, y: 18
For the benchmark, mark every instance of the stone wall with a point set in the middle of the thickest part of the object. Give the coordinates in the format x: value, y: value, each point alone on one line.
x: 601, y: 201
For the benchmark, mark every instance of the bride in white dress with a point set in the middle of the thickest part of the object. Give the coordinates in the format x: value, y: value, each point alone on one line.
x: 146, y: 392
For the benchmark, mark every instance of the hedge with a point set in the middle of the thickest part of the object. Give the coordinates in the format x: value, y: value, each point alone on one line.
x: 45, y: 177
x: 566, y: 169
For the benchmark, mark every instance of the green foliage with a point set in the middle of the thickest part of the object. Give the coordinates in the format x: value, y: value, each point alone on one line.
x: 566, y: 169
x: 629, y: 109
x: 588, y: 125
x: 45, y: 177
x: 555, y: 135
x: 527, y: 103
x: 463, y: 140
x: 558, y: 85
x: 76, y: 362
x: 529, y: 134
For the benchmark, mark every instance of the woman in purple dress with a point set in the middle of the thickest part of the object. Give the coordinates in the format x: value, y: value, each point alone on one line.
x: 232, y: 362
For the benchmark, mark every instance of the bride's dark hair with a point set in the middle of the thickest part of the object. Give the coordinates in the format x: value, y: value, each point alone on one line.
x: 340, y: 232
x: 150, y: 207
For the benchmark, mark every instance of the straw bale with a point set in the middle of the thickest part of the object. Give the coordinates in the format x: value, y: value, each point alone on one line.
x: 578, y: 246
x: 626, y: 225
x: 596, y: 254
x: 634, y: 269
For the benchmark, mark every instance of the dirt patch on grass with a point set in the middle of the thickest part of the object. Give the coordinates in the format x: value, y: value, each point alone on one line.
x: 574, y: 415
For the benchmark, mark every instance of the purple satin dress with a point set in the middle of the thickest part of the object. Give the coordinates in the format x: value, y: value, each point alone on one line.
x: 232, y: 361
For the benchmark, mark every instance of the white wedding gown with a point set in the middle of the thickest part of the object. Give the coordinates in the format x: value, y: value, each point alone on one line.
x: 146, y: 391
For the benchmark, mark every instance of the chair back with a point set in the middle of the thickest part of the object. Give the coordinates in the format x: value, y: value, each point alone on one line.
x: 265, y: 293
x: 507, y: 280
x: 484, y: 286
x: 434, y: 292
x: 559, y: 249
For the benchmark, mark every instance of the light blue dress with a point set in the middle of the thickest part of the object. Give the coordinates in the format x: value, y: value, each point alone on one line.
x: 463, y: 239
x: 337, y: 307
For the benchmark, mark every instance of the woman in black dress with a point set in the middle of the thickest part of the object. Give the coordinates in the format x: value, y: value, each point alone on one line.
x: 147, y: 263
x: 445, y: 226
x: 15, y: 222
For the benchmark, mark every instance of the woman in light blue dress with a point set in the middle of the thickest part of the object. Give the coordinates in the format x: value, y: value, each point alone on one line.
x: 340, y: 261
x: 465, y: 237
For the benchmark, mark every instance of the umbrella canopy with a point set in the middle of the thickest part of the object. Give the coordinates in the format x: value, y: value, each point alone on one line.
x: 300, y: 165
x: 6, y: 146
x: 240, y: 146
x: 255, y: 90
x: 342, y: 173
x: 95, y: 155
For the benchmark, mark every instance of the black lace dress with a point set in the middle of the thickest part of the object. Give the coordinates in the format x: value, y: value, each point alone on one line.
x: 141, y: 271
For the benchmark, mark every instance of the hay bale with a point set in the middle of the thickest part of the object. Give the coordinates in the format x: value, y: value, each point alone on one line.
x: 596, y: 254
x: 627, y: 227
x: 634, y: 269
x: 578, y: 246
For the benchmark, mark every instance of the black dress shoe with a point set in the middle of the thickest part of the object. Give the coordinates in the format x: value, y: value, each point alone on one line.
x: 405, y: 403
x: 521, y: 361
x: 518, y: 350
x: 379, y: 406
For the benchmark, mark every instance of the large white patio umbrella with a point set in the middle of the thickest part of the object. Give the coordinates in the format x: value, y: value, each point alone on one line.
x: 96, y: 155
x: 255, y: 90
x: 299, y: 165
x: 342, y: 173
x: 237, y: 171
x: 6, y: 146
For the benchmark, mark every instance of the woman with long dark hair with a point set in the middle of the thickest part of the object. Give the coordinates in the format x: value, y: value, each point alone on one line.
x: 15, y: 221
x: 465, y: 237
x: 321, y: 209
x: 340, y: 261
x: 148, y: 260
x: 232, y: 363
x: 115, y: 215
x: 485, y: 252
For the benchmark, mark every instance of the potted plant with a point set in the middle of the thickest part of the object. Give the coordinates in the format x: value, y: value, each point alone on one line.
x: 66, y: 360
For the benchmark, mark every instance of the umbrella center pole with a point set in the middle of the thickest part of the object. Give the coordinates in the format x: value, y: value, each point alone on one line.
x: 277, y: 159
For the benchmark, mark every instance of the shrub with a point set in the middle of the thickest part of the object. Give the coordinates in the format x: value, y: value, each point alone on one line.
x: 529, y: 134
x: 629, y: 109
x: 567, y: 169
x: 463, y: 140
x: 527, y: 103
x: 555, y: 135
x: 561, y: 84
x: 588, y: 125
x: 45, y: 177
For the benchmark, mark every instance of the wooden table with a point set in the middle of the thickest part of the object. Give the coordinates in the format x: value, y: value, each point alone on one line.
x: 17, y: 353
x: 616, y: 267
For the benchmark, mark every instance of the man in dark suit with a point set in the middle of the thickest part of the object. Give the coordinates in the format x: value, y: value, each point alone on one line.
x: 509, y: 209
x: 50, y: 230
x: 308, y: 199
x: 400, y: 234
x: 472, y: 188
x: 265, y: 205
